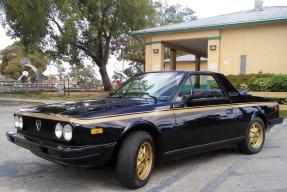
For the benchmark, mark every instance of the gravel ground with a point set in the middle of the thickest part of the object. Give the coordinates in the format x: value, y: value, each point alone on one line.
x: 20, y: 104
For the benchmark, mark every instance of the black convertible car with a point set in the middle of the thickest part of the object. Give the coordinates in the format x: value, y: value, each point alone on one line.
x: 151, y: 117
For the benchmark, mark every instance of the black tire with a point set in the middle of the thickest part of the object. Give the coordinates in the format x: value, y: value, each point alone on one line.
x: 130, y: 150
x: 254, y: 140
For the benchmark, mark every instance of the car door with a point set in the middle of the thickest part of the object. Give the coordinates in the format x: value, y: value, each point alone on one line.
x: 204, y: 113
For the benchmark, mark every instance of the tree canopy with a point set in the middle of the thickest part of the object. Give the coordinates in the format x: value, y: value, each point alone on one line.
x: 83, y: 73
x: 11, y: 56
x: 134, y: 49
x: 73, y: 30
x: 166, y: 13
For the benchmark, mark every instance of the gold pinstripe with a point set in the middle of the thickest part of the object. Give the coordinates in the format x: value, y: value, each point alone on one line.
x: 93, y: 121
x: 101, y: 119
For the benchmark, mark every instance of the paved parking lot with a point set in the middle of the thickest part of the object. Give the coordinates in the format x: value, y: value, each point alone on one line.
x: 222, y: 170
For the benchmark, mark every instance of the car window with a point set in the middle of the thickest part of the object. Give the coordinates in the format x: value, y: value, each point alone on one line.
x: 185, y: 91
x: 159, y: 85
x: 205, y: 87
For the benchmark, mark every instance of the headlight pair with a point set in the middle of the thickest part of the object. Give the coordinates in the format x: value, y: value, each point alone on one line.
x: 66, y: 131
x: 18, y: 122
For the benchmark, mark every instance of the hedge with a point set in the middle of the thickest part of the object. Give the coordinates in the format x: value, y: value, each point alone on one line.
x: 260, y: 83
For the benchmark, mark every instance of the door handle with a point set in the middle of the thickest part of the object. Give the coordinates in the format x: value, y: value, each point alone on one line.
x: 229, y: 111
x: 219, y: 115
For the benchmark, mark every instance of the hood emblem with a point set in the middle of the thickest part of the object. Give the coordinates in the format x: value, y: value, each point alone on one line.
x: 38, y: 125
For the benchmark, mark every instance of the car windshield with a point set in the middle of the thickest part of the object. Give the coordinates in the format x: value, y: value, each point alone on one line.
x: 159, y: 86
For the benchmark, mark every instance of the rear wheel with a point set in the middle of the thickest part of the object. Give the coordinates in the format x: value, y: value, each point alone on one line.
x: 135, y: 159
x: 255, y: 137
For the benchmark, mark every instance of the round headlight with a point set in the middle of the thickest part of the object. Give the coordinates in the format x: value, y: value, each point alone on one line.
x: 16, y: 121
x: 20, y: 122
x: 68, y: 132
x: 59, y: 130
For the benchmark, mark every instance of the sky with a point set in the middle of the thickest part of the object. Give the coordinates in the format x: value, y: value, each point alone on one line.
x: 202, y: 8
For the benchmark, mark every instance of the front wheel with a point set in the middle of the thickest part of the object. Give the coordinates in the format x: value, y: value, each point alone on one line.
x: 135, y: 159
x: 255, y: 137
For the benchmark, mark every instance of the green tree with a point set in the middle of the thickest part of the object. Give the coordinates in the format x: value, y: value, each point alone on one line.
x: 60, y: 68
x: 10, y: 60
x: 82, y: 72
x: 166, y: 14
x: 52, y: 77
x: 73, y: 30
x: 134, y: 50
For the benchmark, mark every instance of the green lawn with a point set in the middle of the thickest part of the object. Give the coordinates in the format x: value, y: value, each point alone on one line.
x: 283, y: 114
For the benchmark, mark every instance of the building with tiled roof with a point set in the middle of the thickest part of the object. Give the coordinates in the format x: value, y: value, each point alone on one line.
x: 243, y: 42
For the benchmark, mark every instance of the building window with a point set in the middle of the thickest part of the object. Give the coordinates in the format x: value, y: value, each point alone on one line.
x: 243, y: 64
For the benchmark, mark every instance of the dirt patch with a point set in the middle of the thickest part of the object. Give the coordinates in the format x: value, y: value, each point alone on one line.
x: 4, y: 103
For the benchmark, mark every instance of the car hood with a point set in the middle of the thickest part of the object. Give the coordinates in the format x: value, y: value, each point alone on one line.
x: 87, y: 108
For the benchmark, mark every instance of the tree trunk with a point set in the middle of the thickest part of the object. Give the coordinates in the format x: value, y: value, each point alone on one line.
x: 105, y: 79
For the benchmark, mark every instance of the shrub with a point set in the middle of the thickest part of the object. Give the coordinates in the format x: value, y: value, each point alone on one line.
x: 278, y: 83
x: 260, y: 83
x: 213, y: 85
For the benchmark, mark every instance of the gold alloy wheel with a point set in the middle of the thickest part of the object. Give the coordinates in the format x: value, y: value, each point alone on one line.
x: 144, y: 161
x: 256, y: 135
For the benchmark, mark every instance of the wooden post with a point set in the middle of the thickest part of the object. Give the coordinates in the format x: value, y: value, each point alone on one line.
x: 197, y: 63
x: 197, y: 68
x: 172, y: 55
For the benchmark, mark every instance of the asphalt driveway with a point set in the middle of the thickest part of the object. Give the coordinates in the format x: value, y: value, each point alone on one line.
x: 222, y: 170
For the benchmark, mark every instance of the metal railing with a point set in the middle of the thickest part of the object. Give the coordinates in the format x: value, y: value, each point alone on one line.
x: 20, y: 87
x: 38, y: 87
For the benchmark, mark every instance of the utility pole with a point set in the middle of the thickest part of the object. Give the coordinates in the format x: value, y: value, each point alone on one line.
x: 123, y: 66
x: 76, y: 77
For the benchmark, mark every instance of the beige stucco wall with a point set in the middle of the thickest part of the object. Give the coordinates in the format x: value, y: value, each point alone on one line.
x: 154, y: 59
x: 187, y: 66
x: 265, y: 47
x: 214, y: 55
x: 185, y: 35
x: 148, y: 55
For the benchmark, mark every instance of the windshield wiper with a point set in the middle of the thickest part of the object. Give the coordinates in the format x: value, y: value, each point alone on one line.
x: 154, y: 97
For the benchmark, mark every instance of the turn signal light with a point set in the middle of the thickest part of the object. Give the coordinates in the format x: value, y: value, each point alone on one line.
x: 46, y: 150
x: 276, y: 108
x: 96, y: 131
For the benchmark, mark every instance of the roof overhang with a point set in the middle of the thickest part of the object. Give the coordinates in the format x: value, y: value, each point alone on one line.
x: 154, y: 32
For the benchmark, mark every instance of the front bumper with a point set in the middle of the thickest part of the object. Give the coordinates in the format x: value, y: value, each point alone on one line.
x: 274, y: 121
x: 81, y: 156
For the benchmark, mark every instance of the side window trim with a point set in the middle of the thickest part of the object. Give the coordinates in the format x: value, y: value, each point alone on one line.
x: 224, y: 91
x: 211, y: 99
x: 188, y: 78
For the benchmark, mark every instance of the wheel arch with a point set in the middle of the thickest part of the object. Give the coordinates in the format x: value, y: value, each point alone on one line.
x: 144, y: 126
x: 261, y: 116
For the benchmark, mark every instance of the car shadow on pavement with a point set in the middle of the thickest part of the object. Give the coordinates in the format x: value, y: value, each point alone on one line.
x: 56, y: 177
